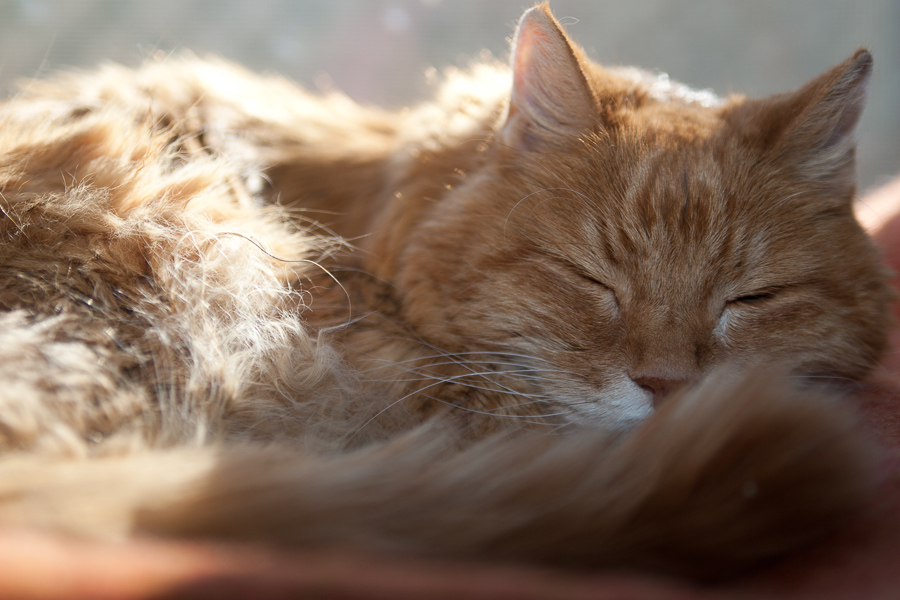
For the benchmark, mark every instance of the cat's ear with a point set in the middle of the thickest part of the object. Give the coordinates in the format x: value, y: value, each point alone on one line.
x: 551, y: 99
x: 813, y: 129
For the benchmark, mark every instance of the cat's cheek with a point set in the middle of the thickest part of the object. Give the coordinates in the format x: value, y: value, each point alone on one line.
x: 782, y: 332
x: 742, y: 333
x: 724, y: 326
x: 737, y: 324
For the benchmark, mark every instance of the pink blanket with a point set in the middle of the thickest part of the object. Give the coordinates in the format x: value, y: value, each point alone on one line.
x: 863, y: 562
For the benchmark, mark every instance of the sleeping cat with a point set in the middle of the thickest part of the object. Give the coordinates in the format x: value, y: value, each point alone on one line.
x: 563, y: 313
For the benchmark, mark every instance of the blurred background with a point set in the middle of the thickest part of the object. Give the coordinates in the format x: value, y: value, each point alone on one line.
x: 379, y: 51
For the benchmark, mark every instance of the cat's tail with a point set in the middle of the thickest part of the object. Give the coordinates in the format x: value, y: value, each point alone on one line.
x: 735, y: 473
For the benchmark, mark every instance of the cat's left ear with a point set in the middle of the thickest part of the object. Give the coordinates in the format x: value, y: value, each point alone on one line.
x: 551, y: 99
x: 813, y: 129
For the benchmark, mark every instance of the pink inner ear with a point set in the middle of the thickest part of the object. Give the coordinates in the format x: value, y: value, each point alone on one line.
x: 550, y: 97
x: 528, y: 40
x: 529, y: 37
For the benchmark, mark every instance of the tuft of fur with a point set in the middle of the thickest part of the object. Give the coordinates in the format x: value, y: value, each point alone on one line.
x: 520, y: 322
x: 134, y: 308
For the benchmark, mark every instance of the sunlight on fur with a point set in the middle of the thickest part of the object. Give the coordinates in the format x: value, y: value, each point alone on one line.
x: 564, y: 314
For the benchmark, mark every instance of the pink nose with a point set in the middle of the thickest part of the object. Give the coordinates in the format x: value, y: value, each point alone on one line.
x: 660, y: 387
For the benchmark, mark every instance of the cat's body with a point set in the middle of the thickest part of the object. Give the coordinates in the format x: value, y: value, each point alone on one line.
x: 525, y: 280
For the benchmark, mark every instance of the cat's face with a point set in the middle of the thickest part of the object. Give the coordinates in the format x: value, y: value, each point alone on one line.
x: 627, y: 281
x: 666, y: 238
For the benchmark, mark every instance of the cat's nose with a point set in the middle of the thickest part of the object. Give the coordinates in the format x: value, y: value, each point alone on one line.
x: 660, y: 387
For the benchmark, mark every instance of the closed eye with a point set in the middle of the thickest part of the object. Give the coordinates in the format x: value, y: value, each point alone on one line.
x: 599, y: 284
x: 754, y: 298
x: 594, y: 281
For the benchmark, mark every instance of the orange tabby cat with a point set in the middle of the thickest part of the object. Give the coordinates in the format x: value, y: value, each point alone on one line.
x: 528, y: 321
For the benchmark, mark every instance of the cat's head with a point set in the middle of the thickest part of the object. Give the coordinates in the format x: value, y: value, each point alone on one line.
x: 629, y: 235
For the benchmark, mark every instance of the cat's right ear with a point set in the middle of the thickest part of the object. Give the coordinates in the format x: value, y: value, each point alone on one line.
x: 551, y: 99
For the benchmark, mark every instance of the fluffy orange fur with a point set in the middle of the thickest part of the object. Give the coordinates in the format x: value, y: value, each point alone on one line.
x: 563, y: 313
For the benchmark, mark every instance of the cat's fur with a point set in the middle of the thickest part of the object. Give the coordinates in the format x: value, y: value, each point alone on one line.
x: 187, y: 349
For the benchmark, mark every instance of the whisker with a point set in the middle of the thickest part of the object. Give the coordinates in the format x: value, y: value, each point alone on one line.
x: 548, y: 189
x: 439, y: 381
x: 457, y: 378
x: 521, y: 368
x: 481, y: 412
x: 529, y: 403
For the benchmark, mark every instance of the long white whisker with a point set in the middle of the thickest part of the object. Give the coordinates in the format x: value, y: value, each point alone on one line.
x: 440, y: 381
x: 458, y: 378
x: 520, y: 368
x: 481, y: 412
x: 549, y: 189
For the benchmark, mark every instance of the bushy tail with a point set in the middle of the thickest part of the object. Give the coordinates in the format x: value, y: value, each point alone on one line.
x: 733, y: 474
